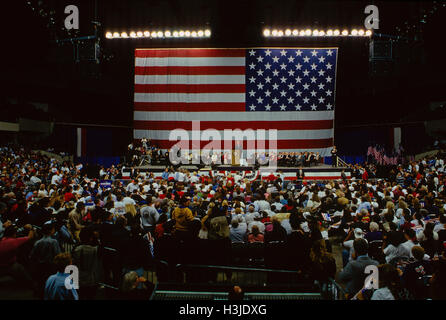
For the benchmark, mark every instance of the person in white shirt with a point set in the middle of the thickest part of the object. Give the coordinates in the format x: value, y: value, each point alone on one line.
x: 133, y: 186
x: 56, y: 179
x: 427, y: 233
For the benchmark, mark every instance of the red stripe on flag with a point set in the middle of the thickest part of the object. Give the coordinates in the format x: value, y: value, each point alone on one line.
x: 157, y: 53
x: 193, y: 70
x: 221, y: 125
x: 190, y: 107
x: 281, y: 144
x: 189, y: 88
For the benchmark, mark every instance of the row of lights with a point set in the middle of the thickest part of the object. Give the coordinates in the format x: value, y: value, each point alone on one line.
x: 316, y: 33
x: 160, y: 34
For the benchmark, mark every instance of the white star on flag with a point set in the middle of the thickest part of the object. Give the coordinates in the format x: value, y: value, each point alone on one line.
x: 267, y: 79
x: 329, y: 106
x: 252, y: 80
x: 290, y: 100
x: 313, y: 66
x: 283, y: 93
x: 283, y: 79
x: 252, y: 93
x: 306, y: 100
x: 321, y: 100
x: 275, y: 86
x: 306, y: 59
x: 252, y: 53
x: 275, y: 73
x: 291, y: 73
x: 321, y: 59
x: 283, y: 52
x: 321, y: 73
x: 298, y: 93
x: 291, y: 59
x: 275, y: 100
x: 313, y: 93
x: 260, y: 72
x: 283, y: 66
x: 298, y: 66
x: 329, y: 65
x: 321, y: 86
x: 328, y: 79
x: 260, y: 86
x: 298, y: 107
x: 283, y: 107
x: 267, y: 66
x: 329, y: 53
x: 298, y: 79
x: 267, y: 107
x: 267, y: 93
x: 259, y: 100
x: 306, y: 86
x: 268, y: 52
x: 291, y: 86
x: 252, y: 107
x: 306, y: 73
x: 314, y: 53
x: 313, y: 107
x: 328, y: 92
x: 298, y: 53
x: 313, y: 79
x: 259, y: 58
x: 275, y: 59
x: 252, y: 66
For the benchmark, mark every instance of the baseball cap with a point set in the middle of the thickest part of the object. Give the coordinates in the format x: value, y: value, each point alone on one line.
x: 359, y: 233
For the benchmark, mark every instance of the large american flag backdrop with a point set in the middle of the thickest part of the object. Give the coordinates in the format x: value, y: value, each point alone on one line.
x: 288, y: 89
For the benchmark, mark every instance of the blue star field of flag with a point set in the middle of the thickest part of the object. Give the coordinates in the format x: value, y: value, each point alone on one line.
x: 290, y: 79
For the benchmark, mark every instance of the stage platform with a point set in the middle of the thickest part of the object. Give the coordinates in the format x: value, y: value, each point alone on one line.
x: 317, y: 172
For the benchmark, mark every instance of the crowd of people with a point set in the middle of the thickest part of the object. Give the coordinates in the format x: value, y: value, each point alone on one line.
x: 116, y: 229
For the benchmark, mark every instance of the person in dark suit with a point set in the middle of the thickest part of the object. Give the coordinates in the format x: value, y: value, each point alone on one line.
x: 353, y: 274
x: 334, y: 157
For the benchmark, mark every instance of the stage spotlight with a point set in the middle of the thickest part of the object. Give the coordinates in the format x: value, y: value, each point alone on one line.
x: 175, y: 34
x: 200, y: 33
x: 295, y: 32
x: 153, y: 34
x: 194, y: 34
x: 124, y: 35
x: 302, y: 33
x: 160, y: 34
x: 336, y: 32
x: 274, y: 33
x: 361, y: 32
x: 139, y: 34
x: 308, y: 32
x: 329, y: 32
x: 187, y: 33
x: 345, y: 33
x: 181, y: 33
x: 132, y: 34
x: 288, y: 32
x: 321, y: 33
x: 167, y: 34
x: 315, y: 32
x: 354, y: 32
x: 146, y: 34
x: 368, y: 33
x: 116, y: 35
x: 280, y: 33
x: 207, y: 33
x: 109, y: 35
x: 266, y: 32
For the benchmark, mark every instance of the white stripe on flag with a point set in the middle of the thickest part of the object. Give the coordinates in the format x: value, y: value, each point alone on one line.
x: 190, y: 79
x: 189, y: 97
x: 231, y: 116
x: 281, y: 134
x: 189, y: 62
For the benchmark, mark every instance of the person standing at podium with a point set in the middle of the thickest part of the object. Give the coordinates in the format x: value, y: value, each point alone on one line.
x: 334, y: 157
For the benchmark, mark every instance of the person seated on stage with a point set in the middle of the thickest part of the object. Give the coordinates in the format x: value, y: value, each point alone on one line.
x: 317, y: 158
x: 310, y: 158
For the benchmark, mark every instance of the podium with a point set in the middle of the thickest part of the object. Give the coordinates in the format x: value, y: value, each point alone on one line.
x: 236, y: 154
